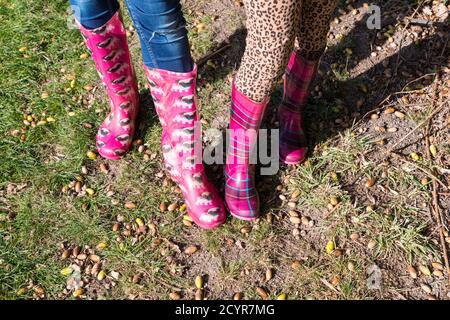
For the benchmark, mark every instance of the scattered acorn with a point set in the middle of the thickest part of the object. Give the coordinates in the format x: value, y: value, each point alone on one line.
x: 426, y: 288
x: 246, y: 230
x: 91, y: 155
x: 137, y: 278
x: 101, y: 275
x: 130, y: 205
x: 115, y: 227
x: 354, y: 236
x: 199, y: 282
x: 262, y: 293
x: 412, y: 272
x: 329, y: 247
x: 370, y: 182
x: 295, y: 264
x: 295, y: 220
x: 199, y: 294
x: 372, y: 244
x: 237, y: 296
x: 174, y: 296
x: 78, y: 292
x: 172, y: 207
x: 190, y: 249
x: 162, y: 207
x: 282, y: 296
x: 269, y: 274
x: 437, y: 266
x: 425, y: 270
x: 351, y: 266
x: 104, y: 168
x: 334, y: 200
x: 433, y: 150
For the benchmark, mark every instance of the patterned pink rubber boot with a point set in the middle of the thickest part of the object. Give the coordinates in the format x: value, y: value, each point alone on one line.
x: 109, y: 49
x: 174, y: 98
x: 241, y: 196
x: 297, y: 85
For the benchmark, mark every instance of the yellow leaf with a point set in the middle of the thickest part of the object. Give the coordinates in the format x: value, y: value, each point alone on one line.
x: 66, y: 271
x: 330, y: 247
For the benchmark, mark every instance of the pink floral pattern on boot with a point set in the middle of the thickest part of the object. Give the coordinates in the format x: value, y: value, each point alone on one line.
x: 174, y: 98
x: 299, y: 76
x: 109, y: 49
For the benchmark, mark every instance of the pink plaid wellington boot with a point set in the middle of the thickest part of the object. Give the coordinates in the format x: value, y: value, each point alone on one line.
x: 174, y: 98
x: 109, y: 49
x: 241, y: 196
x: 297, y: 85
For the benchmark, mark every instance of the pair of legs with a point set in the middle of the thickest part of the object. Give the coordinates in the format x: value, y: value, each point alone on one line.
x: 159, y: 23
x: 273, y: 26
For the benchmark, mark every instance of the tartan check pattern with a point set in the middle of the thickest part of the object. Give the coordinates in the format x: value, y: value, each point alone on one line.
x: 240, y: 190
x: 299, y: 76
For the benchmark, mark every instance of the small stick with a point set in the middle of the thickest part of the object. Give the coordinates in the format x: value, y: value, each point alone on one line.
x: 203, y: 60
x: 403, y: 35
x: 428, y: 173
x: 327, y: 214
x: 415, y: 128
x: 436, y: 208
x: 329, y: 285
x: 162, y: 282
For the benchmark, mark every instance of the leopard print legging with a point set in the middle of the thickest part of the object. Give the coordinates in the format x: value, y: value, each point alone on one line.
x: 273, y: 27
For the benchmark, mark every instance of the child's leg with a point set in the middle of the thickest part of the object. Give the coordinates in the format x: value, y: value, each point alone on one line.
x: 311, y: 41
x: 314, y: 26
x: 92, y: 14
x: 270, y: 36
x: 104, y: 33
x: 163, y: 35
x: 172, y: 78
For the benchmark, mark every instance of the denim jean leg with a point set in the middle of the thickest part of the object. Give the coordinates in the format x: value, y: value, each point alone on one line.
x: 163, y: 35
x: 94, y: 13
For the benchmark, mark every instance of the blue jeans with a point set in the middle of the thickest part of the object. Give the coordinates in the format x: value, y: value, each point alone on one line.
x: 159, y: 23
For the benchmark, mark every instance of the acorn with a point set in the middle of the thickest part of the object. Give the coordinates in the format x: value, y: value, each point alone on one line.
x: 174, y: 296
x: 190, y: 249
x: 262, y: 293
x: 199, y: 282
x: 237, y: 296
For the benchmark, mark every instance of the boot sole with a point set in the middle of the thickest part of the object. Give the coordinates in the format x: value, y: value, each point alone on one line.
x: 209, y: 226
x: 107, y: 156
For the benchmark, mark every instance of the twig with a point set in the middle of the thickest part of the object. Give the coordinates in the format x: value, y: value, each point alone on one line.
x: 435, y: 203
x: 392, y: 148
x: 417, y: 79
x: 421, y: 22
x: 162, y: 282
x: 329, y: 285
x: 403, y: 35
x: 428, y: 173
x: 327, y: 214
x: 203, y: 60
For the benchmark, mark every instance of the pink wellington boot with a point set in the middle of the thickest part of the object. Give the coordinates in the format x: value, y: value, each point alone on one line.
x: 241, y: 196
x: 174, y: 98
x: 109, y: 49
x: 299, y: 76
